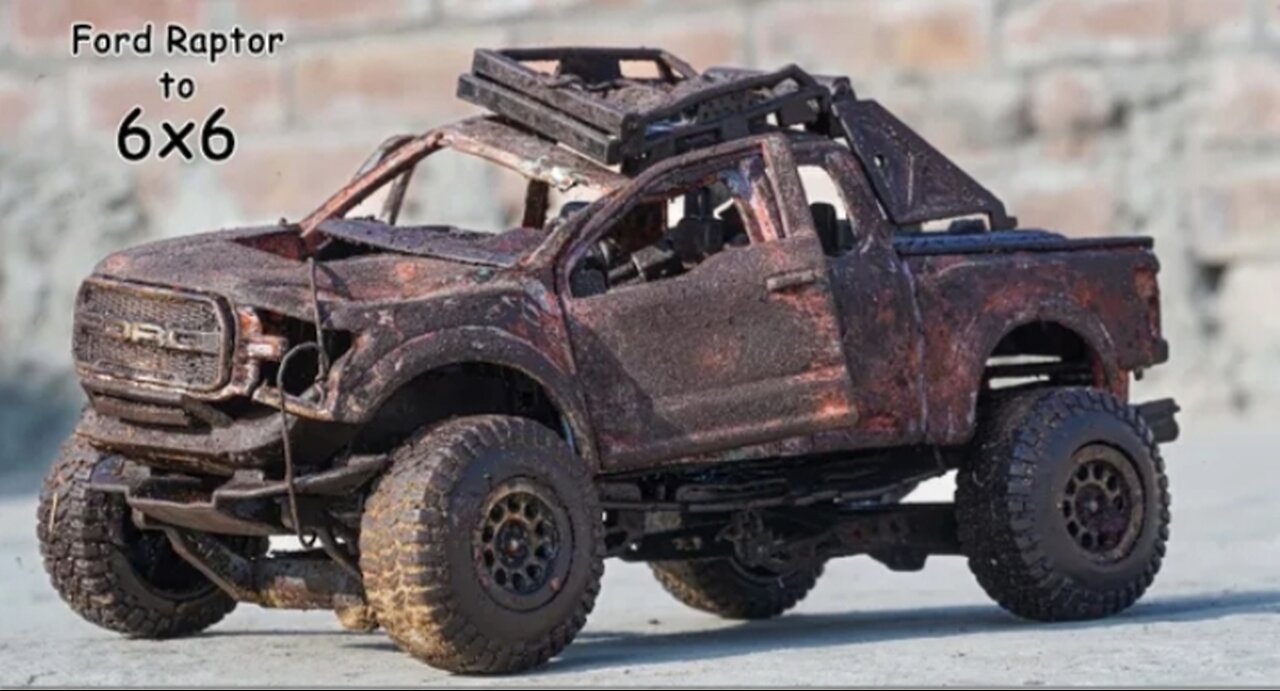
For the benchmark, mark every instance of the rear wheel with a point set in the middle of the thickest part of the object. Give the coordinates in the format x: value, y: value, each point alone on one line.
x: 482, y: 546
x: 726, y: 588
x: 110, y: 572
x: 1063, y: 509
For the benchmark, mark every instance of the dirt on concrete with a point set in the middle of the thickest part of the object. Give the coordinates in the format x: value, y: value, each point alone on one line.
x: 1213, y: 616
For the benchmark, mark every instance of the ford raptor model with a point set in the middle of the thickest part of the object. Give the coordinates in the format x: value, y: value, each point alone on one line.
x: 741, y: 315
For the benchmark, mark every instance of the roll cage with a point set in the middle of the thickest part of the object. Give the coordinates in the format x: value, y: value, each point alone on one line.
x: 541, y: 161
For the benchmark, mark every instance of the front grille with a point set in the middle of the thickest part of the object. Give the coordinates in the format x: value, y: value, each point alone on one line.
x: 147, y: 334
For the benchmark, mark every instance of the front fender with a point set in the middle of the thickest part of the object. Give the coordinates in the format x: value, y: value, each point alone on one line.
x: 366, y: 391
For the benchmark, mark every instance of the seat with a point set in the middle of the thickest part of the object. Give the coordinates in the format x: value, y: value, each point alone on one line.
x: 694, y: 239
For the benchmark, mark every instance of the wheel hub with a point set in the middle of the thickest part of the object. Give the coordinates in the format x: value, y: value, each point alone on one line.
x: 1102, y: 503
x: 520, y: 541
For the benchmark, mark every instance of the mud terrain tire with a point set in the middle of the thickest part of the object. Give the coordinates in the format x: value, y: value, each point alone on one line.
x: 482, y: 545
x: 726, y: 589
x: 112, y: 574
x: 1063, y: 508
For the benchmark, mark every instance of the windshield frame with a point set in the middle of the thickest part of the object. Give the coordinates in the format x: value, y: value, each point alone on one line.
x: 535, y: 158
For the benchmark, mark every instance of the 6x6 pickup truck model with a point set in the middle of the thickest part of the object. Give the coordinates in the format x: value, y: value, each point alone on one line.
x: 706, y: 366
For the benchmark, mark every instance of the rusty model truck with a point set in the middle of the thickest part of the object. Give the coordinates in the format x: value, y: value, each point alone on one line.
x: 700, y: 362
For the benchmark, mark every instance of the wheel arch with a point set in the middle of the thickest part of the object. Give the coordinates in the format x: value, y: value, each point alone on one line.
x: 1084, y: 341
x: 993, y: 331
x: 463, y: 352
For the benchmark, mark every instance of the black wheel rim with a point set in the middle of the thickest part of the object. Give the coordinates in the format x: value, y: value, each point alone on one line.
x: 523, y: 544
x: 1102, y: 503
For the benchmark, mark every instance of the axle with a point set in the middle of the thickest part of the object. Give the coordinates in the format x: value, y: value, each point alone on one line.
x: 299, y: 580
x: 900, y: 536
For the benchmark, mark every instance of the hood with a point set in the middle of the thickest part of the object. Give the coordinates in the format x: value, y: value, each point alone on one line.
x: 266, y: 267
x: 441, y: 242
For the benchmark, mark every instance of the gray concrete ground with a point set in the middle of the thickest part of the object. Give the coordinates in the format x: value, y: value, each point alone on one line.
x: 1213, y: 617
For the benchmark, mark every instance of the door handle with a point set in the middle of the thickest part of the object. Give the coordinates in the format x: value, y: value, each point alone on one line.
x: 792, y: 279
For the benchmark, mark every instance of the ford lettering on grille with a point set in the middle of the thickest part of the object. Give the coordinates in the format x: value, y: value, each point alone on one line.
x: 154, y: 335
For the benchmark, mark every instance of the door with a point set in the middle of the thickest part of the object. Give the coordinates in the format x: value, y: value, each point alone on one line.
x: 875, y: 299
x: 706, y: 333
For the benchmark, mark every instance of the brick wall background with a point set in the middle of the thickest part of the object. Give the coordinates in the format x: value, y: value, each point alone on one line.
x: 1158, y: 117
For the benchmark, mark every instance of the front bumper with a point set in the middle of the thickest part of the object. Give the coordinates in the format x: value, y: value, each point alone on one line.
x: 251, y: 442
x: 245, y: 504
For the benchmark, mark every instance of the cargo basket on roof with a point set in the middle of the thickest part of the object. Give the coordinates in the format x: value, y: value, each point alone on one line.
x: 593, y: 100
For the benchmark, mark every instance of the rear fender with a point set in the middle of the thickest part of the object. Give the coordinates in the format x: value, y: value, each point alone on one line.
x: 958, y: 371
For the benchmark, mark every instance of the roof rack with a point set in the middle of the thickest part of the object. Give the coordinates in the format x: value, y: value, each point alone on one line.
x: 586, y: 100
x: 589, y: 102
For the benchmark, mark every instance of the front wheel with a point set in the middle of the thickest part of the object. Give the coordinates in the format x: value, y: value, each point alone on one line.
x: 1063, y: 509
x: 110, y: 572
x: 482, y: 546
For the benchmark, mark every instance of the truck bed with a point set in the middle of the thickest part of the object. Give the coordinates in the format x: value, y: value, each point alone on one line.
x: 973, y: 289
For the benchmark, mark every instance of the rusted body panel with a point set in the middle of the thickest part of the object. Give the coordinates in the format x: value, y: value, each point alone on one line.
x: 511, y: 323
x: 970, y: 302
x: 727, y: 377
x: 711, y: 360
x: 881, y: 323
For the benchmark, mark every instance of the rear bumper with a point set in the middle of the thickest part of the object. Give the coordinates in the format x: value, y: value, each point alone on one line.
x: 1160, y: 416
x: 1161, y: 356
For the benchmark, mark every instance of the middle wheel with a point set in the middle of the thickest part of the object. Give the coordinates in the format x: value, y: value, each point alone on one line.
x: 482, y: 546
x: 731, y: 590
